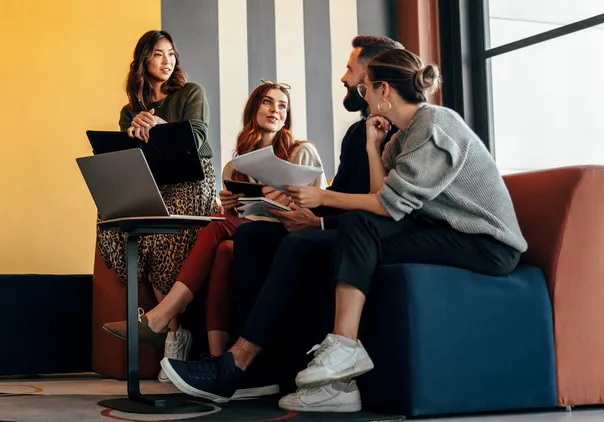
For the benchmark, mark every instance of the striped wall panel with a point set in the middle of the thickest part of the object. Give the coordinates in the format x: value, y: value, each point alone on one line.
x: 228, y: 45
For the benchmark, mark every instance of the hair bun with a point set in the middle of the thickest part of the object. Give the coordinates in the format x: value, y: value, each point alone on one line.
x: 427, y: 79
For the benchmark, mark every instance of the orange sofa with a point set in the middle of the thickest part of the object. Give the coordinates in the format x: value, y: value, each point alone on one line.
x: 561, y: 213
x: 446, y: 340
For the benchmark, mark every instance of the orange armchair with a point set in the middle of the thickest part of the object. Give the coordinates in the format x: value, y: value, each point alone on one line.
x: 561, y: 213
x: 109, y: 304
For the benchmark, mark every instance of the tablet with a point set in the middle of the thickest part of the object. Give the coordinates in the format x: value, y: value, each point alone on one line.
x: 247, y: 189
x: 171, y: 151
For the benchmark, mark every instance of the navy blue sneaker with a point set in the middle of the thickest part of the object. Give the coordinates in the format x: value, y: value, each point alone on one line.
x: 214, y: 378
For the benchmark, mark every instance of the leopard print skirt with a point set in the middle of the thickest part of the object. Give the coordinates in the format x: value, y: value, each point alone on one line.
x: 161, y: 256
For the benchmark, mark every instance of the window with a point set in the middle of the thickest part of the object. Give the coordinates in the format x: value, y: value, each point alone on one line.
x: 546, y: 98
x: 512, y: 20
x: 526, y: 75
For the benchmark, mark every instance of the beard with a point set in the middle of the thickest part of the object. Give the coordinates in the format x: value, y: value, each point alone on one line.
x: 353, y: 101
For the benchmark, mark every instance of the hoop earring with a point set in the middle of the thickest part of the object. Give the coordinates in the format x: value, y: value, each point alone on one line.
x: 379, y: 107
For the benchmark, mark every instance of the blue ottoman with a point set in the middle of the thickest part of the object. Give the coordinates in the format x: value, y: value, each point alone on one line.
x: 446, y: 340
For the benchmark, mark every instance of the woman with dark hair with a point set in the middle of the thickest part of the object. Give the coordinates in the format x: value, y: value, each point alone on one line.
x: 266, y: 121
x: 158, y: 93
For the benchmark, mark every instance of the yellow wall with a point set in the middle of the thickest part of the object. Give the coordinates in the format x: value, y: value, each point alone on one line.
x: 63, y: 65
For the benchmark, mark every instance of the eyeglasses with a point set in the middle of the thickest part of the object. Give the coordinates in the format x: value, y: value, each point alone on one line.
x: 362, y: 88
x: 281, y: 84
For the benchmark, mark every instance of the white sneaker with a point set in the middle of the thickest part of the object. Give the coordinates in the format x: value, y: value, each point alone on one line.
x: 336, y: 397
x: 177, y: 346
x: 334, y: 361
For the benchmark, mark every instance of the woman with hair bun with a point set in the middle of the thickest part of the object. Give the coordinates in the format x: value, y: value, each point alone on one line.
x: 436, y: 197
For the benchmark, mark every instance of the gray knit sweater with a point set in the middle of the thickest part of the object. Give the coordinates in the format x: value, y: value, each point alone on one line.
x: 440, y: 169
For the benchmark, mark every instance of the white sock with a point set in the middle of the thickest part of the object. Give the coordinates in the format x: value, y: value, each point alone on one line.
x: 346, y: 340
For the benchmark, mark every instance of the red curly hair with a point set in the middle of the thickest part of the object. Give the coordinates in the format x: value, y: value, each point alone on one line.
x: 251, y: 135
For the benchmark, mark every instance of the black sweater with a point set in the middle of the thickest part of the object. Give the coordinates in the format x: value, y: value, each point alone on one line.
x: 353, y: 172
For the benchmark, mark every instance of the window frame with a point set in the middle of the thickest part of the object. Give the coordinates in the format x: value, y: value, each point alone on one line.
x: 466, y: 59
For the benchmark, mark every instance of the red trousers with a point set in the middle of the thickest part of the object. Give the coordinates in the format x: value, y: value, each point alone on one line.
x: 211, y: 259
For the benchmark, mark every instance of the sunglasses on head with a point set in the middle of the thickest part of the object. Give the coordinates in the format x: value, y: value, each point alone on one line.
x: 281, y: 84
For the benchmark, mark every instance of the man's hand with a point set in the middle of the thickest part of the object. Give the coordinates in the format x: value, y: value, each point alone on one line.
x: 297, y: 219
x: 306, y: 196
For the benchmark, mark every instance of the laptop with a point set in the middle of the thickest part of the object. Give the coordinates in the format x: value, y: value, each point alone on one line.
x: 123, y: 187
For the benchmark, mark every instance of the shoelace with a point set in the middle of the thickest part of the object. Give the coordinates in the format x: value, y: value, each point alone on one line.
x: 321, y: 350
x: 141, y: 312
x: 306, y: 391
x: 172, y: 348
x: 310, y: 391
x: 205, y: 367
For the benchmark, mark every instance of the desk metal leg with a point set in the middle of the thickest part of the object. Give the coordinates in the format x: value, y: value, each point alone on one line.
x: 134, y: 392
x: 137, y: 402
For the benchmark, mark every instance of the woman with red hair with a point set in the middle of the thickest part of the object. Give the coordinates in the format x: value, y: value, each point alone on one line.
x: 266, y: 121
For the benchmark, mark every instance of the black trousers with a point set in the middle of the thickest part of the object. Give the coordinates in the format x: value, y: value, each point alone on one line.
x: 254, y: 247
x: 353, y: 252
x: 258, y: 288
x: 366, y: 240
x: 298, y: 282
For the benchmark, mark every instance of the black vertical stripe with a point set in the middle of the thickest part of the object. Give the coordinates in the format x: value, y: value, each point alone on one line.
x: 261, y: 43
x: 194, y: 27
x: 377, y: 17
x: 319, y: 110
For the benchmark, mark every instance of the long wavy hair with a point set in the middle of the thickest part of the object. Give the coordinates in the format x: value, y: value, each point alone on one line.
x: 251, y: 135
x: 138, y: 85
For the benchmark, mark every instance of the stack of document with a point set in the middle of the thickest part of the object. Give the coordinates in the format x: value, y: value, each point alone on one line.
x: 264, y: 166
x: 259, y: 206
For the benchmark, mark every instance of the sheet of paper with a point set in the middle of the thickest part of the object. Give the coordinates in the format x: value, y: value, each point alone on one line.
x: 264, y: 166
x: 267, y: 202
x: 260, y: 207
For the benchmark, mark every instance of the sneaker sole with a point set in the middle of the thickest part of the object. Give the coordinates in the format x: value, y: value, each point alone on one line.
x: 121, y: 337
x: 345, y: 408
x: 319, y: 380
x: 253, y: 393
x: 113, y: 333
x: 186, y: 388
x: 188, y: 344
